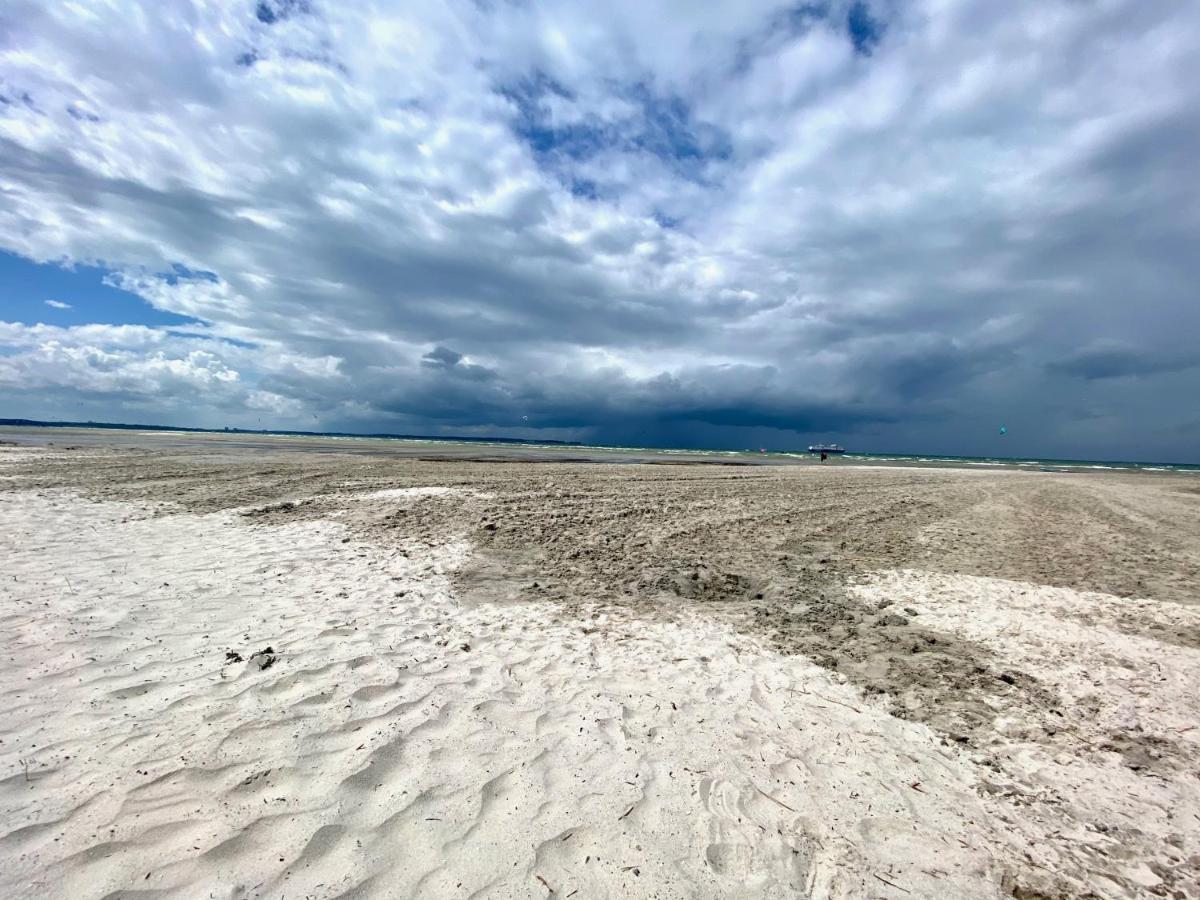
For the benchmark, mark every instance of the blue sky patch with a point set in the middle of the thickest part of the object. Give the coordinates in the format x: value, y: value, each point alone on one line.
x: 865, y: 31
x: 585, y: 188
x: 79, y: 295
x: 663, y: 126
x: 271, y: 11
x: 179, y: 272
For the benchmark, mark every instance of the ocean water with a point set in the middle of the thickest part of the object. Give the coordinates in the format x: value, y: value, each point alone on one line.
x: 1026, y: 462
x: 600, y: 451
x: 927, y: 459
x: 1034, y: 464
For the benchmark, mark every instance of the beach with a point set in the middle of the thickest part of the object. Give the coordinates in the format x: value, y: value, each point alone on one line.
x: 309, y: 671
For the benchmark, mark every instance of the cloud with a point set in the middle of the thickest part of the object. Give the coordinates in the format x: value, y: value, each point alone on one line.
x: 441, y: 358
x: 58, y: 304
x: 139, y: 368
x: 895, y: 222
x: 1113, y: 359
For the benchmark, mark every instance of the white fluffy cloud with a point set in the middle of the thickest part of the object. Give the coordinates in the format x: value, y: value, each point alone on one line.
x: 626, y: 220
x: 145, y: 369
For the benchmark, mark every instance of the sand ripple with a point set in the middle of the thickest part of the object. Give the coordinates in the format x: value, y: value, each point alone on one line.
x: 399, y: 744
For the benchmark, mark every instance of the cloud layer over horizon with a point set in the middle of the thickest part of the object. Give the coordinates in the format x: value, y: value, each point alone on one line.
x: 897, y: 224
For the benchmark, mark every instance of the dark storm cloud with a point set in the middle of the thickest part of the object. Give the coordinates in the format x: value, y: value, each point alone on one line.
x: 441, y: 357
x: 894, y: 222
x: 1115, y: 360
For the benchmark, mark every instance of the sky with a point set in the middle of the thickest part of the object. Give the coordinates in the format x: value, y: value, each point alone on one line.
x: 896, y: 224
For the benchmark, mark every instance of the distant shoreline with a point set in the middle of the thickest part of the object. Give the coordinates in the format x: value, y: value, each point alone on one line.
x: 525, y: 450
x: 122, y: 426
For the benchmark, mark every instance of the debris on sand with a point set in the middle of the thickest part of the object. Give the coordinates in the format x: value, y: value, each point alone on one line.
x: 264, y: 657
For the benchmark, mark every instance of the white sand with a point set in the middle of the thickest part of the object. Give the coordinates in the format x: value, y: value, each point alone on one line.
x: 604, y: 756
x: 404, y: 745
x: 416, y: 492
x: 1097, y: 810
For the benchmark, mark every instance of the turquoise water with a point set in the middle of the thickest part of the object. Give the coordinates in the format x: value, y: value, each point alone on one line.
x: 1025, y: 462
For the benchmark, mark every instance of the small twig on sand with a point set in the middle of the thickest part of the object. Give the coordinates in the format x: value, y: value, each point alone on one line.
x: 545, y: 882
x: 1029, y: 859
x: 838, y: 702
x: 1078, y: 736
x: 624, y: 814
x: 772, y: 799
x: 892, y: 883
x: 826, y: 699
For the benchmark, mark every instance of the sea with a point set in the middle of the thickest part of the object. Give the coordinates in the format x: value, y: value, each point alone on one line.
x: 615, y: 453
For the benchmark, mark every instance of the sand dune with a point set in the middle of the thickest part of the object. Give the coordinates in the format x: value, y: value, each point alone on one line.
x: 216, y: 704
